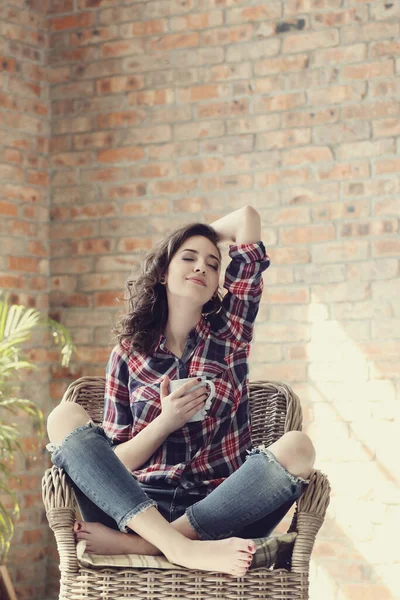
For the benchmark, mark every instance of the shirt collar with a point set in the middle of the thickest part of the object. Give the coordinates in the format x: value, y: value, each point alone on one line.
x: 197, y: 334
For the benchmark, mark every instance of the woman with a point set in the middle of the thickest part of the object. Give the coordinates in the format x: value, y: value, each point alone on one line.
x: 196, y: 492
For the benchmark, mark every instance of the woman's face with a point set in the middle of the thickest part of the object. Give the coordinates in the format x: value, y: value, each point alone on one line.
x: 196, y: 257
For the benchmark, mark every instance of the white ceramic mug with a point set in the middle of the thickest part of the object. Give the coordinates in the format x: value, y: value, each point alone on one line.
x: 174, y: 384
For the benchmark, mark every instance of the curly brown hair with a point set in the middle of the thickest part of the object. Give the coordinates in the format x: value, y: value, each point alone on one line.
x: 147, y: 315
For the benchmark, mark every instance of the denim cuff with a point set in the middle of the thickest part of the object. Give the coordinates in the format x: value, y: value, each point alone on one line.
x: 297, y: 480
x: 122, y: 525
x: 193, y: 523
x: 52, y: 447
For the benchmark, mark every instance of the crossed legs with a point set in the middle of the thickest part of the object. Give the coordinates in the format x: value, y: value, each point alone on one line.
x: 91, y: 463
x: 294, y: 451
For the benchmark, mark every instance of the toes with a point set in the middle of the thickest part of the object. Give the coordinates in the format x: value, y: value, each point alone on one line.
x: 239, y: 572
x: 244, y: 558
x: 82, y: 535
x: 77, y: 525
x: 251, y: 546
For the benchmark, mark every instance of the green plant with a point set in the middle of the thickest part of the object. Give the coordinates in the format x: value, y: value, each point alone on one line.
x: 17, y: 323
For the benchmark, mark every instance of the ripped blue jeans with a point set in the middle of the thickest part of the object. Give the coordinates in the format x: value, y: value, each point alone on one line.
x: 248, y: 504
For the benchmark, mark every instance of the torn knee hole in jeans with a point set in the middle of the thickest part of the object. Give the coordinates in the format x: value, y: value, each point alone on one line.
x: 262, y: 449
x: 51, y: 447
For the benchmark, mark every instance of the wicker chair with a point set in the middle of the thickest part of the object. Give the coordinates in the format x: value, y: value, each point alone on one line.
x: 275, y: 409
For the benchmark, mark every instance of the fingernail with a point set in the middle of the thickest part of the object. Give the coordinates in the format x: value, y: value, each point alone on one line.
x: 199, y: 379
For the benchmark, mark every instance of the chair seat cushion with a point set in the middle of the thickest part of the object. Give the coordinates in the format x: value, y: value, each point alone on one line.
x: 265, y: 555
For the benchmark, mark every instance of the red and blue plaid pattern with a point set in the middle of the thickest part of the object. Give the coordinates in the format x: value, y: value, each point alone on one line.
x: 201, y: 454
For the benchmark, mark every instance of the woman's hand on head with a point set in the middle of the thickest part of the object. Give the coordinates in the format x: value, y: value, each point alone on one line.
x: 179, y: 406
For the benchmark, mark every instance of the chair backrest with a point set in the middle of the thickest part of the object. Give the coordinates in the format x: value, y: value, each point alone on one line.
x: 274, y: 407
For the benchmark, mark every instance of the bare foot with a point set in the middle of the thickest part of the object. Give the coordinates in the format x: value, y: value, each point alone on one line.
x: 232, y: 555
x: 103, y: 540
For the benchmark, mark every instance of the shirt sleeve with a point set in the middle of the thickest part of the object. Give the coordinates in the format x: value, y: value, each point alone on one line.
x: 244, y: 282
x: 117, y: 419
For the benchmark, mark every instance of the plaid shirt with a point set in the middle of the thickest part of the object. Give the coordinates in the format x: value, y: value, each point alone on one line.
x: 201, y: 454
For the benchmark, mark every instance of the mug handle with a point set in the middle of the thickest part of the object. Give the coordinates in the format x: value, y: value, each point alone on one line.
x: 212, y: 386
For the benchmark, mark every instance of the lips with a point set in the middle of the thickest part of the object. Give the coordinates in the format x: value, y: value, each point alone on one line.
x: 195, y: 280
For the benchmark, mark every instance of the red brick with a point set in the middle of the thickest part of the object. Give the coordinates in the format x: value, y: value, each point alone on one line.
x: 200, y: 129
x: 92, y: 246
x: 150, y: 135
x: 127, y: 191
x: 8, y: 209
x: 289, y: 255
x: 99, y: 139
x: 223, y: 109
x: 279, y: 332
x: 284, y: 139
x: 384, y: 48
x: 37, y: 178
x: 181, y: 186
x: 106, y: 299
x: 107, y: 174
x: 367, y: 32
x: 368, y: 70
x: 208, y: 165
x: 340, y: 210
x: 262, y: 12
x: 116, y: 85
x: 388, y: 247
x: 72, y: 21
x: 307, y: 234
x: 93, y: 36
x: 310, y: 41
x: 174, y: 42
x: 287, y: 295
x: 121, y: 119
x: 127, y: 154
x: 280, y: 102
x: 152, y: 27
x: 202, y: 92
x: 387, y: 207
x: 26, y: 264
x: 197, y: 21
x: 226, y: 35
x: 151, y: 97
x: 343, y: 54
x: 12, y: 281
x: 387, y: 166
x: 37, y: 247
x: 366, y: 228
x: 281, y: 64
x: 123, y: 48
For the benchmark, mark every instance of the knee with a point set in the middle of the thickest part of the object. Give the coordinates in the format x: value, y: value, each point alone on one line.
x: 63, y: 419
x: 301, y: 445
x: 297, y: 453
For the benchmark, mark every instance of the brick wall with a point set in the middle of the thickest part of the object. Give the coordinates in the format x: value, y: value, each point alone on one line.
x: 24, y: 260
x: 164, y: 112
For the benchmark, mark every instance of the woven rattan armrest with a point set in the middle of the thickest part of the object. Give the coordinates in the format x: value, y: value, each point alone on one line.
x: 59, y: 502
x: 309, y: 516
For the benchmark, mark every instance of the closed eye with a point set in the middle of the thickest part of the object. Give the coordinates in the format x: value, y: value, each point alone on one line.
x: 212, y: 266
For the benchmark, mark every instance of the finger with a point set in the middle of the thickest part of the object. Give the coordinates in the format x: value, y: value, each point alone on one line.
x: 190, y: 384
x: 193, y: 396
x: 164, y: 385
x: 196, y: 403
